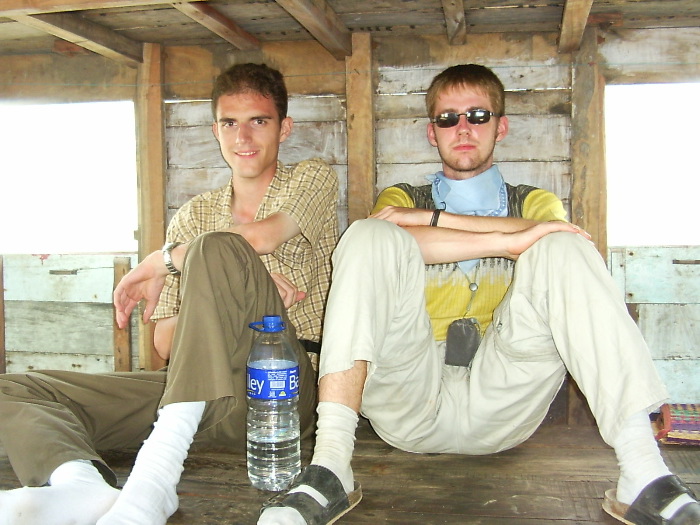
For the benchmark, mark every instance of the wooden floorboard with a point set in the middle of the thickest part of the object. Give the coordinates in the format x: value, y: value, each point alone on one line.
x: 558, y: 476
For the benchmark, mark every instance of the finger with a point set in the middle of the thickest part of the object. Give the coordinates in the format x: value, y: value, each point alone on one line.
x: 148, y: 311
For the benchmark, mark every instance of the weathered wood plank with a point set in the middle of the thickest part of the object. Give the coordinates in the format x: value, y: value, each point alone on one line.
x: 589, y: 202
x: 301, y: 108
x: 650, y: 55
x: 3, y: 364
x: 530, y: 102
x: 361, y: 154
x: 95, y: 37
x: 308, y: 69
x: 150, y: 126
x: 121, y: 336
x: 682, y: 378
x: 61, y: 335
x: 59, y: 327
x: 18, y: 362
x: 51, y: 78
x: 455, y: 21
x: 417, y: 80
x: 657, y: 274
x: 407, y: 65
x: 218, y: 24
x: 69, y: 278
x: 319, y: 19
x: 672, y: 331
x: 573, y: 24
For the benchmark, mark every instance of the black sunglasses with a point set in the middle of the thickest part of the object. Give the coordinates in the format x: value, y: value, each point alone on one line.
x: 474, y: 116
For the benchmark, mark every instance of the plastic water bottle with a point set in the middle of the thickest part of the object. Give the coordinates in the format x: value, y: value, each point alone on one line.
x: 273, y: 450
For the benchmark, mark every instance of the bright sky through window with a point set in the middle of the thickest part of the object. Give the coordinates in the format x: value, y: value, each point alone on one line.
x: 68, y: 181
x: 652, y: 164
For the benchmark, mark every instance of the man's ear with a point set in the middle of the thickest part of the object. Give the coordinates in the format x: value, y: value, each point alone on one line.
x: 286, y: 128
x: 215, y: 130
x: 502, y: 129
x: 431, y: 134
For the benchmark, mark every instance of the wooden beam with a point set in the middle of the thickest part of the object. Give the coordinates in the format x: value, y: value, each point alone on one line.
x: 3, y: 353
x: 151, y: 175
x: 12, y: 8
x: 122, y: 336
x: 99, y: 39
x: 323, y: 23
x: 360, y: 123
x: 588, y: 182
x: 219, y: 24
x: 588, y: 178
x: 573, y: 24
x: 456, y: 21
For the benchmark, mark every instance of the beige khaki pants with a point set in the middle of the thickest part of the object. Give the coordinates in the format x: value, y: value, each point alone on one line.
x: 48, y: 418
x: 562, y: 312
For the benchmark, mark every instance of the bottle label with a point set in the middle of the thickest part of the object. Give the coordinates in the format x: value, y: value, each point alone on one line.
x: 273, y: 384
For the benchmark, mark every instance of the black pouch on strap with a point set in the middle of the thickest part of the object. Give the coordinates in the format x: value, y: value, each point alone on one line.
x: 463, y: 338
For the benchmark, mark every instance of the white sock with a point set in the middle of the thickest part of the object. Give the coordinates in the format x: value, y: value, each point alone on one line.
x: 77, y: 495
x: 640, y: 462
x: 638, y: 456
x: 335, y: 443
x: 149, y: 496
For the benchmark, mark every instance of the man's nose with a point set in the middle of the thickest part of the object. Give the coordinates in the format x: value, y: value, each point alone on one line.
x: 243, y: 134
x: 463, y: 125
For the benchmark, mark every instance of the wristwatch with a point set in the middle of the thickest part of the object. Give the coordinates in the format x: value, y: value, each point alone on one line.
x: 168, y: 258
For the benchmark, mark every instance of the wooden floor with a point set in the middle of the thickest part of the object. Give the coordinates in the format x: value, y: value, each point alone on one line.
x: 558, y: 476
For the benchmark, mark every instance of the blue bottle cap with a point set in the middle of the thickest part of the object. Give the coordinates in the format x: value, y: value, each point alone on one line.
x: 269, y: 323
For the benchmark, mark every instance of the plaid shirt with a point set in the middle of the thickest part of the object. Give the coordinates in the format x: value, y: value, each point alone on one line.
x: 308, y: 192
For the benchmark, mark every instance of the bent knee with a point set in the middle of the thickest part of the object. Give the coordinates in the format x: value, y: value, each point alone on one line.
x: 561, y: 242
x: 216, y: 241
x: 374, y: 231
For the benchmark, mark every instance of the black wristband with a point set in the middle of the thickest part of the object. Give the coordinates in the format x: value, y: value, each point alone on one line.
x: 436, y: 217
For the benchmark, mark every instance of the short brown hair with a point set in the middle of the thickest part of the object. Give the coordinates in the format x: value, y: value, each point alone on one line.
x: 255, y: 78
x: 470, y: 75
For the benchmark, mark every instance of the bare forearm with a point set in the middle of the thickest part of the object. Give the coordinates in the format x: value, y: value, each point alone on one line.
x: 267, y: 235
x: 473, y: 223
x: 444, y: 245
x: 423, y: 217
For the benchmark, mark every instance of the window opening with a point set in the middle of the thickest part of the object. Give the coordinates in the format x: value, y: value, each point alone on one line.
x: 68, y: 181
x: 653, y: 173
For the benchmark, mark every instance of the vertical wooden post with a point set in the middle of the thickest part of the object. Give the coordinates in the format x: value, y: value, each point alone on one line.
x: 122, y: 336
x: 3, y: 355
x: 360, y: 121
x: 151, y: 175
x: 588, y: 188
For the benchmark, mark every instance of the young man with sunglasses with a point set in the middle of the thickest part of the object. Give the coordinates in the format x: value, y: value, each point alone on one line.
x: 454, y: 314
x: 260, y: 245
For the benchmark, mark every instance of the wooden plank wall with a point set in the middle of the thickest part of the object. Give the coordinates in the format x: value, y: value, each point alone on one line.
x: 538, y: 150
x: 59, y: 314
x: 661, y: 285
